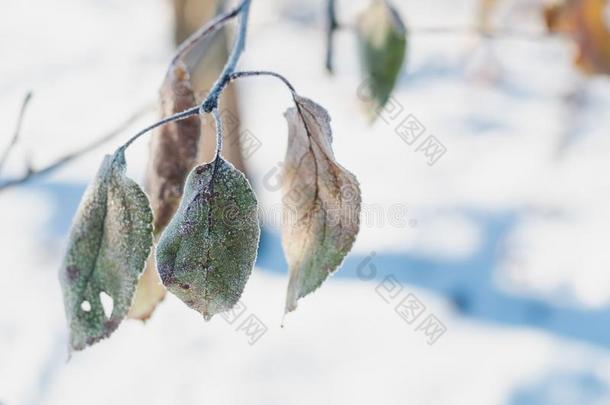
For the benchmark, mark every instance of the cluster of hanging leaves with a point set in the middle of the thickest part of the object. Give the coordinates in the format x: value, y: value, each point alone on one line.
x: 204, y: 220
x: 587, y: 23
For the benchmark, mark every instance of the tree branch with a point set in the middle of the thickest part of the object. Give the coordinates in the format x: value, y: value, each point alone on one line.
x: 34, y: 173
x: 498, y: 33
x: 207, y: 106
x: 211, y: 102
x: 17, y: 132
x: 209, y: 28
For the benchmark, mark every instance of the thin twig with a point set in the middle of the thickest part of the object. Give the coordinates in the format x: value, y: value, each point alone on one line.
x: 498, y: 33
x: 208, y: 105
x: 176, y: 117
x: 212, y: 98
x: 209, y: 28
x: 211, y: 102
x: 17, y: 132
x: 33, y: 173
x: 501, y: 33
x: 238, y: 75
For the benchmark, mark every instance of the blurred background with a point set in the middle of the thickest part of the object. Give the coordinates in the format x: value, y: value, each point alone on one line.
x: 479, y: 275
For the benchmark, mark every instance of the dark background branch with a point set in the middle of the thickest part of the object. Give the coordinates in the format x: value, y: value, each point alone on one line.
x: 17, y: 133
x: 34, y: 173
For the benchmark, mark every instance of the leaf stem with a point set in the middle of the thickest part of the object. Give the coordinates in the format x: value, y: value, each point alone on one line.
x: 219, y: 131
x: 238, y: 75
x: 176, y: 117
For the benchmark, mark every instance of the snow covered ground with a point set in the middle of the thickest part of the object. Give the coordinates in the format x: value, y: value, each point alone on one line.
x: 502, y: 240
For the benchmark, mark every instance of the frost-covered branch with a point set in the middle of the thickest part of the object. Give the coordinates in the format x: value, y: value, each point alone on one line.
x: 238, y: 75
x: 211, y: 102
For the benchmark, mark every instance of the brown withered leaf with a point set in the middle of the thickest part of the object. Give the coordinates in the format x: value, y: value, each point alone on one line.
x: 173, y: 153
x: 173, y: 148
x: 321, y: 201
x: 585, y: 22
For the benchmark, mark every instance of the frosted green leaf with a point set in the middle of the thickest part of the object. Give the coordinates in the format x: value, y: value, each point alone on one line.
x: 111, y: 238
x: 382, y: 43
x: 321, y: 201
x: 206, y: 253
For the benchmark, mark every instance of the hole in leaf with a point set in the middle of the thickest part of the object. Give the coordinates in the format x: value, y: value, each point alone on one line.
x: 85, y: 306
x: 107, y: 303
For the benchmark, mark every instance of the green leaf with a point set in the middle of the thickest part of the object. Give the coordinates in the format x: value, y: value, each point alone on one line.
x: 206, y: 253
x: 321, y: 202
x: 111, y: 238
x: 382, y: 43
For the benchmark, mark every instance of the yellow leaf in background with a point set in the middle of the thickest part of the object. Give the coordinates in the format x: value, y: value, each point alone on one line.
x: 584, y: 21
x: 485, y: 9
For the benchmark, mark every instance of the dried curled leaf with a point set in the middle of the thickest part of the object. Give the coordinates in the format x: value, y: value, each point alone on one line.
x: 382, y: 42
x: 111, y: 238
x: 173, y: 148
x: 321, y: 202
x: 206, y: 253
x: 173, y: 153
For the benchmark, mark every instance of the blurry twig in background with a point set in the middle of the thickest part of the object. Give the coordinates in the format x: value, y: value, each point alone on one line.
x: 33, y: 173
x: 331, y: 27
x: 500, y: 33
x: 13, y: 141
x: 573, y: 115
x: 497, y: 33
